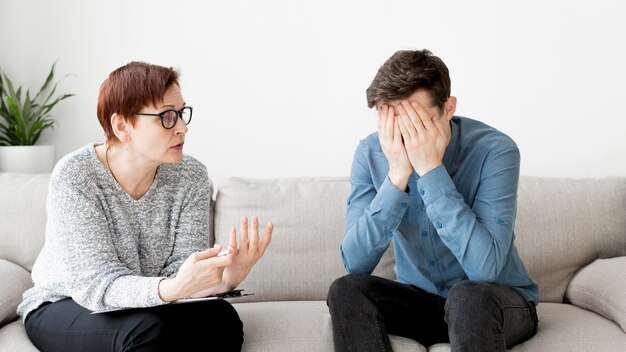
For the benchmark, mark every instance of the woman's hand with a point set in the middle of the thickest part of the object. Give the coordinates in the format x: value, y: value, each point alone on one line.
x: 201, y: 271
x: 245, y: 254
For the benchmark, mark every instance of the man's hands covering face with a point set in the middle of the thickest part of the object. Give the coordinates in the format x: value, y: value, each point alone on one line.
x: 425, y: 140
x: 425, y: 137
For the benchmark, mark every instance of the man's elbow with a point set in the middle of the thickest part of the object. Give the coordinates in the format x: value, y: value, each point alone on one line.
x: 354, y: 266
x: 483, y: 275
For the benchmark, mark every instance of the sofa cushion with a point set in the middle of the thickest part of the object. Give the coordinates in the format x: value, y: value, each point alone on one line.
x: 308, y: 214
x: 15, y: 280
x: 23, y: 220
x: 564, y: 224
x: 13, y: 338
x: 567, y: 328
x: 601, y: 288
x: 294, y: 327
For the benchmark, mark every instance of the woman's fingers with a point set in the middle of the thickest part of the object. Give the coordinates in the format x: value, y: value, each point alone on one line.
x: 208, y: 253
x: 254, y: 238
x: 232, y: 243
x: 267, y: 238
x: 251, y: 243
x: 244, y: 229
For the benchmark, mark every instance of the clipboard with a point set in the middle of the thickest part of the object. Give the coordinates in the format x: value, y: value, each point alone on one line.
x: 223, y: 295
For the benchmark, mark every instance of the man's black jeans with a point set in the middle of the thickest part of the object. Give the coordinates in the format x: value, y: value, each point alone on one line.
x: 476, y: 316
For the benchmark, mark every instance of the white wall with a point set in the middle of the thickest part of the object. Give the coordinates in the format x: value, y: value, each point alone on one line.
x: 278, y: 87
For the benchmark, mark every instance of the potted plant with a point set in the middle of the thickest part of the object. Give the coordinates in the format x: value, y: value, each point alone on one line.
x: 22, y: 120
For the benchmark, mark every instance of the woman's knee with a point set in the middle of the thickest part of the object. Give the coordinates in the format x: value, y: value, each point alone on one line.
x: 179, y: 327
x: 226, y: 325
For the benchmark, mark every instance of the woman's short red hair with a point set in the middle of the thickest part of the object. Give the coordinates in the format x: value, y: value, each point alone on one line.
x: 129, y: 89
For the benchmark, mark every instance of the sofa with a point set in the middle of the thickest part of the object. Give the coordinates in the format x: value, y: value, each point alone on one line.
x: 571, y: 234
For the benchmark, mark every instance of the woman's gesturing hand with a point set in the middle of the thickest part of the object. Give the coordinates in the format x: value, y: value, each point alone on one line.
x: 247, y: 252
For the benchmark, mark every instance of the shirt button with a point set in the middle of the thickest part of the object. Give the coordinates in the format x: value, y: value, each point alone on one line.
x: 422, y: 192
x: 439, y: 225
x: 404, y: 205
x: 424, y: 234
x: 431, y: 263
x: 442, y: 288
x: 389, y: 234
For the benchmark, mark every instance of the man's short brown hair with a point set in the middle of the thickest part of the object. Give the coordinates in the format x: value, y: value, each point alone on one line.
x: 404, y: 73
x: 129, y: 89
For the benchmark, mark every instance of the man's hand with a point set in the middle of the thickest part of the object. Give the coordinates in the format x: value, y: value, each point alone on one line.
x: 425, y: 137
x: 400, y: 168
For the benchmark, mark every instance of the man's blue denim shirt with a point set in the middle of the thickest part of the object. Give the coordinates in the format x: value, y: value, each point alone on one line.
x: 454, y: 223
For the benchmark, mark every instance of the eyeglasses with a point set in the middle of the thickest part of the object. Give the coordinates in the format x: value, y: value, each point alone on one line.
x: 170, y: 117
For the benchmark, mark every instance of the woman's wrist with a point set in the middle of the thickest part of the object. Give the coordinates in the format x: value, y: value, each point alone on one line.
x: 212, y: 291
x: 168, y: 291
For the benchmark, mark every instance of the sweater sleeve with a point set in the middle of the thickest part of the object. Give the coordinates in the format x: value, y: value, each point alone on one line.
x: 85, y: 261
x: 192, y: 228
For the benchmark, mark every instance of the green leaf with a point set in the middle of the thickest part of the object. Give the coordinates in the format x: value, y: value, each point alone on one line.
x: 23, y: 121
x: 9, y: 85
x: 4, y: 141
x: 16, y: 114
x: 27, y: 106
x: 47, y: 82
x: 14, y: 108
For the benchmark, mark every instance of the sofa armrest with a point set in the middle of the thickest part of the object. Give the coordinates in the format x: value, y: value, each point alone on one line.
x: 601, y: 288
x: 15, y: 280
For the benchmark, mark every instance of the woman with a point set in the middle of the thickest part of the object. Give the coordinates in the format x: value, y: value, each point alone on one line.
x: 127, y: 227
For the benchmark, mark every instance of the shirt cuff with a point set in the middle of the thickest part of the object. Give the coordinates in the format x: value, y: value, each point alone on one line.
x: 390, y: 199
x: 435, y: 184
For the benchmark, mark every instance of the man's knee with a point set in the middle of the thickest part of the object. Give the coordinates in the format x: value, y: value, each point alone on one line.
x: 344, y: 288
x: 472, y: 300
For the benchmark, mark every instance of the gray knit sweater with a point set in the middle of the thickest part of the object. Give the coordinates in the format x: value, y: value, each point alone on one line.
x: 103, y: 248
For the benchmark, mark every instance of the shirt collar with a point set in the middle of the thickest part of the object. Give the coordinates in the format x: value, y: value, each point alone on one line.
x: 448, y: 156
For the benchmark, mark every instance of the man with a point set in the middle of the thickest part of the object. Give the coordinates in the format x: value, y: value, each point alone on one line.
x: 443, y: 188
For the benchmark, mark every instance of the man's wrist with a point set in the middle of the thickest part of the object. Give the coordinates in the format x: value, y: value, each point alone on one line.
x: 399, y: 180
x: 426, y: 169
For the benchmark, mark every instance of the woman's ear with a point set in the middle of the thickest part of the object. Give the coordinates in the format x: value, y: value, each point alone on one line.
x: 449, y: 108
x: 120, y: 127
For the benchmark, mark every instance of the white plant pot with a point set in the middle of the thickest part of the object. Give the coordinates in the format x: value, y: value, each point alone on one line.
x: 27, y: 159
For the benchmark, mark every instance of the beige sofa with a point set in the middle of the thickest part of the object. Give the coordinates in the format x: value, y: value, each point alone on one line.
x: 571, y: 233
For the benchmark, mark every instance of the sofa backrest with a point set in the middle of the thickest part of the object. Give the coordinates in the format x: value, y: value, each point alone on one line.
x: 562, y: 225
x: 22, y: 217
